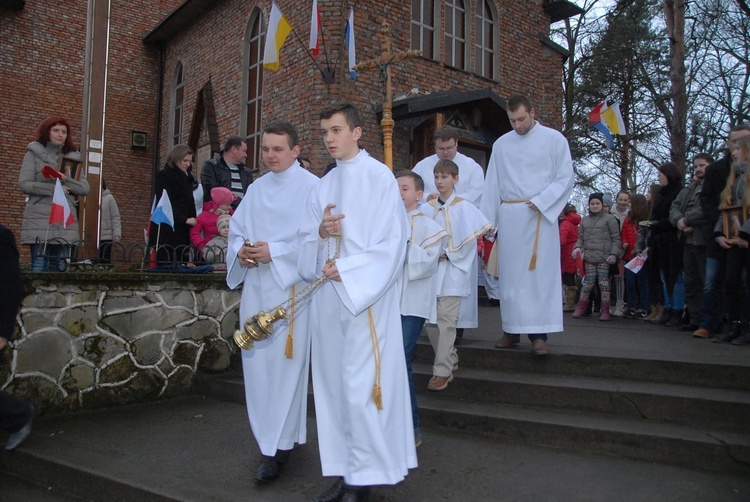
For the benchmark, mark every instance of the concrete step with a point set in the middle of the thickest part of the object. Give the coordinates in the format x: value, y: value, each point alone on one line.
x: 677, y: 445
x: 717, y: 409
x: 605, y: 364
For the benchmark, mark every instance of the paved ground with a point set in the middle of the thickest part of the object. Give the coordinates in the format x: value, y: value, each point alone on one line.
x: 197, y: 449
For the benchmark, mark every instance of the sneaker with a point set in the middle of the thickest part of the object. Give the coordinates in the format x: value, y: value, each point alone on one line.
x: 16, y: 438
x: 701, y: 333
x: 743, y: 339
x: 438, y: 383
x: 640, y: 314
x: 629, y: 314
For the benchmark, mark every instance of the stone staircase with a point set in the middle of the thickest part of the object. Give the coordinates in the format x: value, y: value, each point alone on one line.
x: 688, y: 414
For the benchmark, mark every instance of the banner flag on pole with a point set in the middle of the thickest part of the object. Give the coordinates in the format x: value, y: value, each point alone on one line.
x: 607, y: 120
x: 314, y: 28
x: 163, y: 211
x: 278, y: 29
x: 349, y: 41
x: 60, y: 210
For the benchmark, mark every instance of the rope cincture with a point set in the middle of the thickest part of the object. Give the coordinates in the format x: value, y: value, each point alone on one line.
x: 377, y: 392
x: 532, y: 264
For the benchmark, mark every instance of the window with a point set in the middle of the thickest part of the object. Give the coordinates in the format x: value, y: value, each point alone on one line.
x: 178, y: 104
x: 423, y: 27
x: 455, y: 34
x: 484, y: 40
x: 252, y: 94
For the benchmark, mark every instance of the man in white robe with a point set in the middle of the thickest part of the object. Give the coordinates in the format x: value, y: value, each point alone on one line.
x: 276, y: 369
x: 469, y: 188
x: 362, y: 403
x: 529, y: 180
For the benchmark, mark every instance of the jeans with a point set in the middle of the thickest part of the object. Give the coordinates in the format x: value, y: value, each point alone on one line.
x: 636, y: 288
x: 712, y: 290
x: 411, y: 327
x: 677, y: 300
x: 694, y: 268
x: 54, y: 259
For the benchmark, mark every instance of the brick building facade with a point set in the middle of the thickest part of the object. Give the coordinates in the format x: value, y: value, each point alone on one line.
x: 205, y: 56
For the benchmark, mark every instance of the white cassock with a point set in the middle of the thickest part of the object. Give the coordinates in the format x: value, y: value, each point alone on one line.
x: 275, y: 386
x: 357, y: 322
x: 457, y: 275
x: 469, y: 187
x: 419, y: 287
x: 470, y: 177
x: 536, y: 166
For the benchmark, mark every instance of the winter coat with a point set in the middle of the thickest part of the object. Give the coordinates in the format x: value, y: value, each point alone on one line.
x: 568, y: 237
x: 111, y: 226
x: 629, y: 236
x: 714, y: 182
x: 687, y: 205
x: 179, y: 186
x: 216, y: 173
x: 599, y: 237
x: 664, y: 243
x: 39, y: 191
x: 11, y: 287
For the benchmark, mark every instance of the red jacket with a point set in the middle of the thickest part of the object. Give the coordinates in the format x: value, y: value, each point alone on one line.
x: 568, y: 238
x: 629, y: 235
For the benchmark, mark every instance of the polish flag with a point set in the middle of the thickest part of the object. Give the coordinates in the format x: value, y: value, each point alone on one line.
x: 314, y: 27
x: 60, y: 211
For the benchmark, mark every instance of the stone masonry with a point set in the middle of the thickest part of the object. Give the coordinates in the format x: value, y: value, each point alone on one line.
x: 95, y: 340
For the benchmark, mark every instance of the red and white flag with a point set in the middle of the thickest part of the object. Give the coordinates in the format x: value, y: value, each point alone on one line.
x: 60, y: 211
x: 314, y: 27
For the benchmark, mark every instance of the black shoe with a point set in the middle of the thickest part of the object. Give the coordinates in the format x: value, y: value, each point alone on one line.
x: 268, y: 471
x: 333, y: 493
x: 743, y: 339
x: 675, y: 319
x: 16, y: 438
x: 494, y: 303
x: 356, y: 493
x: 689, y: 327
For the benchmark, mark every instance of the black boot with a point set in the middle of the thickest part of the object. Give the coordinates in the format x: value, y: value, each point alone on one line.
x: 356, y: 493
x: 675, y: 319
x: 272, y: 467
x: 734, y: 332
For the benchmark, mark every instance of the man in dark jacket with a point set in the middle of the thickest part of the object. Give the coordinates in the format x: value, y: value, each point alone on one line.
x: 694, y: 231
x: 713, y: 183
x: 15, y: 416
x: 228, y: 170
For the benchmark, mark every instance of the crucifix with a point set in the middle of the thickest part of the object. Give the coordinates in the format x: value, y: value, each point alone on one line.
x: 384, y: 64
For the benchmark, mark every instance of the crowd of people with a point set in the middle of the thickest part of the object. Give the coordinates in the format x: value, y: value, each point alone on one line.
x: 682, y: 250
x: 388, y: 259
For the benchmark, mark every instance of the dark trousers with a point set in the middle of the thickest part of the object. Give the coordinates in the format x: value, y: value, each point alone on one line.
x: 13, y: 413
x: 411, y: 326
x: 694, y: 270
x: 735, y: 290
x: 712, y: 310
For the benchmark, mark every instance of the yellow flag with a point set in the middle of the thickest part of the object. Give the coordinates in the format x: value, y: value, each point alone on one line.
x: 278, y: 29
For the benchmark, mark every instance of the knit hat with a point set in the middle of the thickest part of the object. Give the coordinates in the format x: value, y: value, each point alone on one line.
x: 223, y: 220
x: 222, y: 196
x: 607, y: 199
x: 597, y: 195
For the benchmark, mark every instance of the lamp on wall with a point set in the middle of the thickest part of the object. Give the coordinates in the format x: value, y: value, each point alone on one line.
x: 138, y: 140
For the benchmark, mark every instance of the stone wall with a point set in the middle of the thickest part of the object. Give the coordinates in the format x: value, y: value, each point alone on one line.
x: 88, y: 340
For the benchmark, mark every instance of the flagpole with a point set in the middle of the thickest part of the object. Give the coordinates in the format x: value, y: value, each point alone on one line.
x: 46, y: 236
x: 309, y: 53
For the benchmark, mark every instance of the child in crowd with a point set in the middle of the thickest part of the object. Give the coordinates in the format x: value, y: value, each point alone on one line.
x: 215, y: 250
x: 569, y: 221
x: 599, y: 241
x: 636, y: 283
x: 419, y: 286
x: 205, y: 228
x: 733, y: 238
x: 464, y: 223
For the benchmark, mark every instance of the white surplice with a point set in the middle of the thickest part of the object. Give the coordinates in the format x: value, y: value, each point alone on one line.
x: 457, y: 276
x: 470, y: 177
x: 275, y: 386
x: 419, y: 288
x: 365, y: 445
x: 536, y: 166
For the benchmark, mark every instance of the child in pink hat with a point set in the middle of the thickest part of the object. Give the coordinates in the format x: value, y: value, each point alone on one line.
x: 205, y: 227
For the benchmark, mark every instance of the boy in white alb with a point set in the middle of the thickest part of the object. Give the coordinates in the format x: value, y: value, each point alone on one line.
x: 419, y: 286
x: 362, y: 406
x: 464, y: 223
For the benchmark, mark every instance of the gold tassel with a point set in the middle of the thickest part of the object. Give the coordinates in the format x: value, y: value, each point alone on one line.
x: 532, y: 265
x: 289, y: 349
x: 377, y: 396
x: 377, y: 393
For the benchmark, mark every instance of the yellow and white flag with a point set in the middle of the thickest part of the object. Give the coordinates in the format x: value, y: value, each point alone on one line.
x: 278, y: 29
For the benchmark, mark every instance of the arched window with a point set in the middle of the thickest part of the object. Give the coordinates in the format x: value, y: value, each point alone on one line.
x: 455, y: 34
x: 177, y: 104
x: 484, y: 39
x: 423, y: 27
x: 252, y: 88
